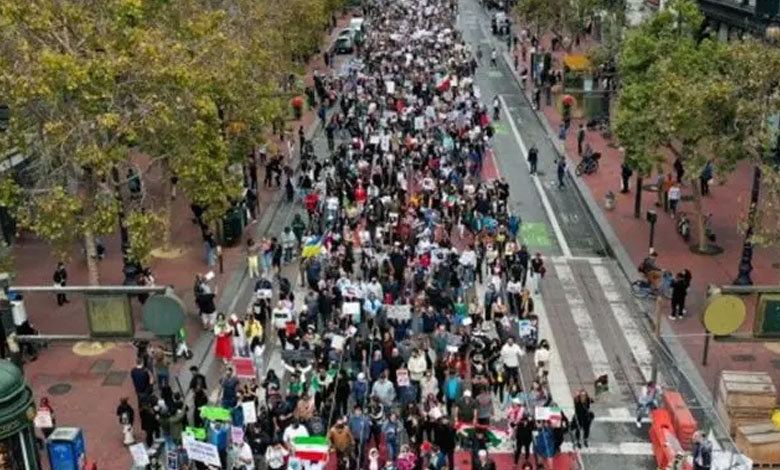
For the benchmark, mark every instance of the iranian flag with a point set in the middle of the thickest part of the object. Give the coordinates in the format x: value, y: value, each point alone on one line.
x: 443, y: 84
x: 312, y: 448
x: 495, y: 437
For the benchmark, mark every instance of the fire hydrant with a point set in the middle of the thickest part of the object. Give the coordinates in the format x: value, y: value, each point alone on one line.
x: 609, y: 201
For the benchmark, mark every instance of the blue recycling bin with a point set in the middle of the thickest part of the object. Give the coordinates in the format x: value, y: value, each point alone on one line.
x: 65, y: 447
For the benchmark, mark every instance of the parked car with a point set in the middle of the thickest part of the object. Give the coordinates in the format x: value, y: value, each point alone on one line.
x: 343, y: 45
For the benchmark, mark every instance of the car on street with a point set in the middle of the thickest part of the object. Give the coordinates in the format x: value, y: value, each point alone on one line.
x: 345, y: 42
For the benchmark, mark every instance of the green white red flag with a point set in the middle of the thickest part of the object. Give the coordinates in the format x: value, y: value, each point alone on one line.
x: 311, y: 448
x: 495, y: 437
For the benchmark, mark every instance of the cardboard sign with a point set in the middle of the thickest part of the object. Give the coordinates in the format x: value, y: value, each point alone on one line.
x: 419, y: 123
x: 250, y: 413
x: 390, y: 86
x: 43, y: 419
x: 236, y: 434
x: 399, y: 312
x: 201, y: 451
x: 402, y: 377
x: 244, y: 367
x: 140, y: 456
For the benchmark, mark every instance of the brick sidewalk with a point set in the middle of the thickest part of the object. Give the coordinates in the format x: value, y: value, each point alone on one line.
x: 85, y: 404
x: 727, y: 202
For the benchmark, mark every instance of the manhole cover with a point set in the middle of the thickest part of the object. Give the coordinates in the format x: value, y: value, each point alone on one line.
x: 743, y: 358
x: 115, y: 379
x: 101, y: 366
x: 59, y: 389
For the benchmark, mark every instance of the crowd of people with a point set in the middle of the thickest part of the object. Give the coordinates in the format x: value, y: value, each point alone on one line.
x: 413, y: 330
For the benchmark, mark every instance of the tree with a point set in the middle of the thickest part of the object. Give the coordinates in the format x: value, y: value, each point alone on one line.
x: 61, y: 66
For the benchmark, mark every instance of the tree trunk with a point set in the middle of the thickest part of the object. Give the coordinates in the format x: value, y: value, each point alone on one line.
x: 701, y: 235
x: 168, y: 204
x: 92, y: 262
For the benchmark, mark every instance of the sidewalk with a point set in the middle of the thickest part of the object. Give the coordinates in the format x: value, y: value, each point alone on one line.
x: 727, y: 202
x: 85, y: 381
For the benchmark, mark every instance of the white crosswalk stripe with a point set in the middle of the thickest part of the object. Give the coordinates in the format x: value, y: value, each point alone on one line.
x: 628, y: 325
x: 587, y: 331
x: 559, y: 384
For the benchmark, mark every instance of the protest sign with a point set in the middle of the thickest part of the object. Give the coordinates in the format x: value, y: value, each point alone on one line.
x: 43, y: 419
x: 197, y: 433
x: 244, y: 367
x: 399, y: 312
x: 390, y: 86
x: 265, y: 293
x: 297, y: 355
x: 419, y: 123
x: 140, y: 456
x: 201, y: 451
x: 402, y: 377
x: 337, y: 342
x: 250, y: 413
x: 215, y: 413
x: 352, y: 309
x: 236, y: 434
x: 524, y: 328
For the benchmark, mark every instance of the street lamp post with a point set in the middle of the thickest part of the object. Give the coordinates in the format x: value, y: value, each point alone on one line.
x: 746, y: 260
x: 652, y: 217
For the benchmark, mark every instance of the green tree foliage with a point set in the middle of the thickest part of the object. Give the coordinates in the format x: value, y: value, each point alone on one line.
x: 144, y: 235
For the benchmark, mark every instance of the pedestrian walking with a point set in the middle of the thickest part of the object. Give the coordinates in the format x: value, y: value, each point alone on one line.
x: 625, y: 177
x: 704, y: 179
x: 537, y: 272
x: 252, y: 258
x: 493, y: 58
x: 702, y: 452
x: 223, y: 348
x: 674, y: 198
x: 60, y: 278
x: 583, y: 418
x: 533, y: 158
x: 561, y: 170
x: 580, y: 139
x: 679, y: 291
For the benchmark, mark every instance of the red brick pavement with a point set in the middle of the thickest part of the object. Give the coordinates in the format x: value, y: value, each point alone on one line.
x: 727, y: 202
x: 90, y: 404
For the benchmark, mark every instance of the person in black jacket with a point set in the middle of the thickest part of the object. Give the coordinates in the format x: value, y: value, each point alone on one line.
x: 524, y: 438
x: 60, y: 278
x: 583, y: 417
x: 679, y: 291
x: 444, y: 437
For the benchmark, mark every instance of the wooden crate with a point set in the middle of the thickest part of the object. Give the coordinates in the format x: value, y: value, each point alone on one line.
x: 741, y: 416
x: 747, y: 389
x: 760, y: 442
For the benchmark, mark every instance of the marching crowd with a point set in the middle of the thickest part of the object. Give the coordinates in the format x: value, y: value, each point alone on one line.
x: 391, y: 356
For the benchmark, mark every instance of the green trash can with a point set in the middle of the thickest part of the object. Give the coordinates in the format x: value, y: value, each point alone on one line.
x: 232, y: 226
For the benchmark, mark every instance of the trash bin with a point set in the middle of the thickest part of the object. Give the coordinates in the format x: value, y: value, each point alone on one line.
x: 232, y: 226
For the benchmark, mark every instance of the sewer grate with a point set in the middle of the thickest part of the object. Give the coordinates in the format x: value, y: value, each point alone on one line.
x: 115, y: 378
x: 59, y: 389
x: 743, y: 358
x: 101, y: 366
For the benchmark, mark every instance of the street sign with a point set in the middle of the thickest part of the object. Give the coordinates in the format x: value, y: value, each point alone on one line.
x: 163, y: 314
x: 109, y: 315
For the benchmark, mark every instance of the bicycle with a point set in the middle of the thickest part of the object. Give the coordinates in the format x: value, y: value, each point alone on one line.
x: 588, y: 165
x: 643, y: 289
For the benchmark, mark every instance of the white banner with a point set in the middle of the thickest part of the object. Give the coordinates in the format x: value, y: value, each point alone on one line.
x: 201, y: 451
x: 140, y: 456
x: 399, y: 312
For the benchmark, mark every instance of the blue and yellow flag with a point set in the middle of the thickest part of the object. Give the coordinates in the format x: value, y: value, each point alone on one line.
x: 312, y: 248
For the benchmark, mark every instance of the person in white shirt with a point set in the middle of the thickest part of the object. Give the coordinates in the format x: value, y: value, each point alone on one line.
x: 281, y: 316
x: 295, y: 429
x: 275, y: 455
x: 510, y: 356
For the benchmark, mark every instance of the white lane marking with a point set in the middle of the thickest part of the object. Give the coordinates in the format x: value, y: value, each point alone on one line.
x: 588, y: 335
x: 604, y: 448
x: 559, y: 385
x: 632, y: 333
x: 587, y: 259
x: 542, y: 195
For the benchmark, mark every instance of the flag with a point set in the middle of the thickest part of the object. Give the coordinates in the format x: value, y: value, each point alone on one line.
x: 312, y: 248
x: 495, y: 437
x: 443, y: 84
x: 311, y: 448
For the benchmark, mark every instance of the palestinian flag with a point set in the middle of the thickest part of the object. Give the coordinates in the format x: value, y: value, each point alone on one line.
x: 313, y: 448
x: 495, y: 437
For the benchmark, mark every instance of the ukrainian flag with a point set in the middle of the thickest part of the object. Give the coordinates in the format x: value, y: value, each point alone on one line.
x: 312, y: 248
